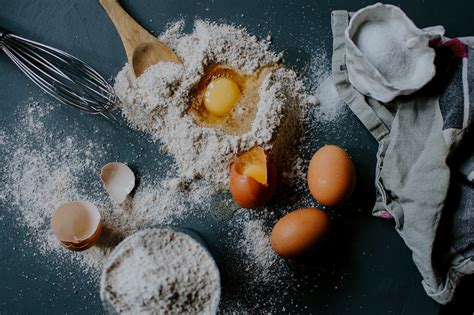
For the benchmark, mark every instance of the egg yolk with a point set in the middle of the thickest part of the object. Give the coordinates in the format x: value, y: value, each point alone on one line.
x: 256, y: 172
x: 221, y: 96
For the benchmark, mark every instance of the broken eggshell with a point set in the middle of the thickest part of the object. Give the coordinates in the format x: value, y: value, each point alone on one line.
x: 77, y: 225
x: 118, y: 180
x: 253, y: 178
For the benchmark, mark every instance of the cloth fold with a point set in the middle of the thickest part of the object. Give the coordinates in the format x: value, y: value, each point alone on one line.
x: 420, y: 139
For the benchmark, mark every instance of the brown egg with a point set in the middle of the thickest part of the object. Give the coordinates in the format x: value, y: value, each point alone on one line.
x: 253, y: 178
x: 299, y: 232
x: 331, y: 175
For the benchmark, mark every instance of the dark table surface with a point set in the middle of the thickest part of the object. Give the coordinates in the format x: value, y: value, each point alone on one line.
x: 374, y: 267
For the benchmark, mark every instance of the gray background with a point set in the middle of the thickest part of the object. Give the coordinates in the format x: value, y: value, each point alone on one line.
x: 373, y: 268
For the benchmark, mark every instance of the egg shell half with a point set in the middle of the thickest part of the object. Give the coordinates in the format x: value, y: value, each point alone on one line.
x: 77, y: 225
x: 299, y: 232
x: 87, y: 243
x: 248, y: 192
x: 331, y: 175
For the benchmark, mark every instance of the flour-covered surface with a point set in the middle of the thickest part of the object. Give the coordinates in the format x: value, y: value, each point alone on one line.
x: 354, y: 276
x: 45, y: 167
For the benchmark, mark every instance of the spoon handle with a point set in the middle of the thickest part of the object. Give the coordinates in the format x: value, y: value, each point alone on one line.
x: 131, y: 33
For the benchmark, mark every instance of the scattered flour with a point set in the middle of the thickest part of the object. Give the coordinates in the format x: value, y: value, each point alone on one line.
x: 255, y: 244
x: 44, y: 167
x: 259, y: 271
x: 161, y: 272
x: 43, y: 173
x: 2, y: 137
x: 157, y: 102
x: 330, y: 105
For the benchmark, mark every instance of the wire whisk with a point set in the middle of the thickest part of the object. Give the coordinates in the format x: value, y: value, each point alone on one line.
x: 61, y: 75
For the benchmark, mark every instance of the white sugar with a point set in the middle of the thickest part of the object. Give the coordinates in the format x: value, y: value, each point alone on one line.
x: 383, y: 45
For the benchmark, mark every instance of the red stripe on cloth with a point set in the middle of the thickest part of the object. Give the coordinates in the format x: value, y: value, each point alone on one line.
x: 455, y: 45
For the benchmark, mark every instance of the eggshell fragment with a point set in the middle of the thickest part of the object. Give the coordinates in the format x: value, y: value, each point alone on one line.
x: 253, y: 178
x: 118, y: 180
x: 77, y: 225
x: 299, y: 232
x: 331, y: 175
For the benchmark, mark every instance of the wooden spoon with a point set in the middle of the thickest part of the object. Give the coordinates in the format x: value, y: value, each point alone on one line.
x: 142, y: 48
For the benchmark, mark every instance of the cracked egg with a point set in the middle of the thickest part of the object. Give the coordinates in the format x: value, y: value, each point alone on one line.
x: 253, y: 178
x: 226, y: 99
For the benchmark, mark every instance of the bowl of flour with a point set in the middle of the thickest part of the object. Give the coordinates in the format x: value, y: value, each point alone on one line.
x: 161, y: 271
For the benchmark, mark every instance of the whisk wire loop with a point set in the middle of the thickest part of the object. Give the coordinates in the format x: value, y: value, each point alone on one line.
x: 60, y: 74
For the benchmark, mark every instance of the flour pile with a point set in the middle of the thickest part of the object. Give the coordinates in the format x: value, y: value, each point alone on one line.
x: 157, y: 102
x: 161, y: 272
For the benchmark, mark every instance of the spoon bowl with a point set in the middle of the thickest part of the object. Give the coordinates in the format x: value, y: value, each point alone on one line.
x: 143, y: 49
